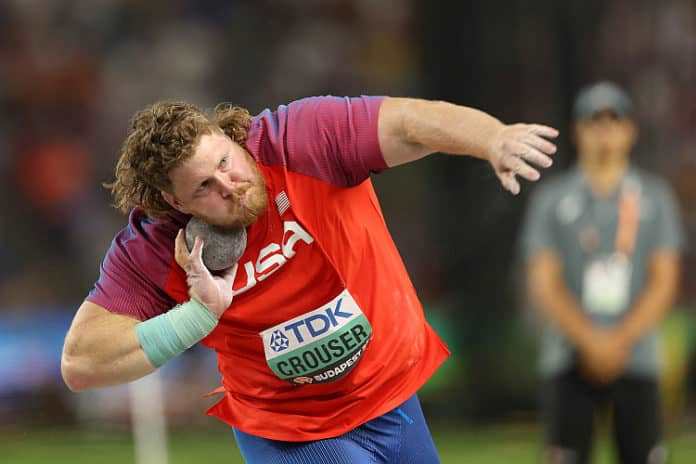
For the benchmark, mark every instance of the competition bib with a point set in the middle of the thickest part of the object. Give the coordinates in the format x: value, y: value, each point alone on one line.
x: 606, y: 285
x: 319, y: 346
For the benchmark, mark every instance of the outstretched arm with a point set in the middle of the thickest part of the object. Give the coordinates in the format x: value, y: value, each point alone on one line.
x: 410, y: 129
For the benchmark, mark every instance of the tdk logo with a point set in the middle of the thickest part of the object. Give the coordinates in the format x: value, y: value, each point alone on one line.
x: 317, y: 324
x: 279, y: 342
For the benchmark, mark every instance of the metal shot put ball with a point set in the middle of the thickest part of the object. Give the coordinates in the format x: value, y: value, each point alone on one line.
x: 221, y: 247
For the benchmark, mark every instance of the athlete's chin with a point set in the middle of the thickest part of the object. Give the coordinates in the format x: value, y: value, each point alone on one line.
x: 250, y: 216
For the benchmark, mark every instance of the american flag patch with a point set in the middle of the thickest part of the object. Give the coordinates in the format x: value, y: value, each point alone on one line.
x: 282, y: 202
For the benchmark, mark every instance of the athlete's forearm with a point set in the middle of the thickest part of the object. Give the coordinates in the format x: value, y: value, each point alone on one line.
x: 555, y: 301
x: 655, y: 301
x: 102, y: 349
x: 419, y: 127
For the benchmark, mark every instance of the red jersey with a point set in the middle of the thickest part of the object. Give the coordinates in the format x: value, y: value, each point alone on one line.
x: 325, y: 330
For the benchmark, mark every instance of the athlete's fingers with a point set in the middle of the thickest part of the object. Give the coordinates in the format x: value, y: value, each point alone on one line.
x: 517, y: 166
x: 540, y: 144
x: 509, y: 182
x: 513, y: 183
x: 229, y: 274
x: 536, y: 157
x: 196, y: 258
x: 181, y: 254
x: 544, y: 131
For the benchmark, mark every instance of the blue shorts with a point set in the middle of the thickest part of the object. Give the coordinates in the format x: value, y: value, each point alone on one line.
x: 400, y: 436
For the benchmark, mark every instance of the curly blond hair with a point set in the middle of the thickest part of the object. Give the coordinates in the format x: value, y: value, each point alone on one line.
x: 161, y: 137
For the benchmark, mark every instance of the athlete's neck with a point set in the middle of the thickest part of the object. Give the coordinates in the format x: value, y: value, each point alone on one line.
x: 604, y: 176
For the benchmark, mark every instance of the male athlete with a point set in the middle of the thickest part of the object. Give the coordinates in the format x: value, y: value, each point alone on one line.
x: 321, y: 340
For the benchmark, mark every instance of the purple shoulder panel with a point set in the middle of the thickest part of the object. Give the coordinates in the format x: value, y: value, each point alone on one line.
x: 330, y: 138
x: 136, y: 267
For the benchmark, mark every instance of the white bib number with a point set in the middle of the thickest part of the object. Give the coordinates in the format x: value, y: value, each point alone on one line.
x: 606, y: 285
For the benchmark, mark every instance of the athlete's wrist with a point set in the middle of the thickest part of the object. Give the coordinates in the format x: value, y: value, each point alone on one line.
x: 170, y: 334
x: 203, y: 305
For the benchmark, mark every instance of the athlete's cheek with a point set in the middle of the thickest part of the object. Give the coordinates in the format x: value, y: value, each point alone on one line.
x: 210, y: 206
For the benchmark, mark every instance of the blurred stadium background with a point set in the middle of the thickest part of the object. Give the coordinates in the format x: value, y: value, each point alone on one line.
x: 73, y: 71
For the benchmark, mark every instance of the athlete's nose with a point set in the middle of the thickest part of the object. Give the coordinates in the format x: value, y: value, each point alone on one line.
x: 225, y: 193
x: 228, y: 185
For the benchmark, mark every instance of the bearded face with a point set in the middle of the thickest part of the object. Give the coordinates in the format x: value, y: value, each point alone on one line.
x: 220, y: 184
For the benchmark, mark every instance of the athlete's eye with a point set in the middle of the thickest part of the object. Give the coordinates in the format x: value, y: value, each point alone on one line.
x: 202, y: 187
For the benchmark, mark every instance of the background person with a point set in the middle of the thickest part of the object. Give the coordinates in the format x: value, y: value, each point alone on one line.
x: 602, y: 243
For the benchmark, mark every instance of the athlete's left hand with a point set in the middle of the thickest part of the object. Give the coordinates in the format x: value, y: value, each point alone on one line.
x: 213, y: 291
x: 515, y: 148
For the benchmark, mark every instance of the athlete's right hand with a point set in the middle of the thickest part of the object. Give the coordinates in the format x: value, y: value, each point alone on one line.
x: 215, y: 292
x: 516, y: 148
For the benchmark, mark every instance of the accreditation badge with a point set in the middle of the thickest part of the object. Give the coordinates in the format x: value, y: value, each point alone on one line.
x: 606, y: 284
x: 319, y: 346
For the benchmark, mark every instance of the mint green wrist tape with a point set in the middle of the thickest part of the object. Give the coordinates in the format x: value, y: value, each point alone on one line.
x: 170, y: 334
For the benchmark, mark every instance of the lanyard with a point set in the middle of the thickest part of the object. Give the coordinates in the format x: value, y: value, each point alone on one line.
x: 627, y: 224
x: 629, y: 219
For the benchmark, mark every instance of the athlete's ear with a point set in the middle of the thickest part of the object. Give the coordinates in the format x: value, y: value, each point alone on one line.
x: 173, y: 202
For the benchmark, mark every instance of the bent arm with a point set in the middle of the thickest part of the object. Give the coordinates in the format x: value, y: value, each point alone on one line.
x: 101, y: 349
x: 553, y: 298
x: 656, y: 299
